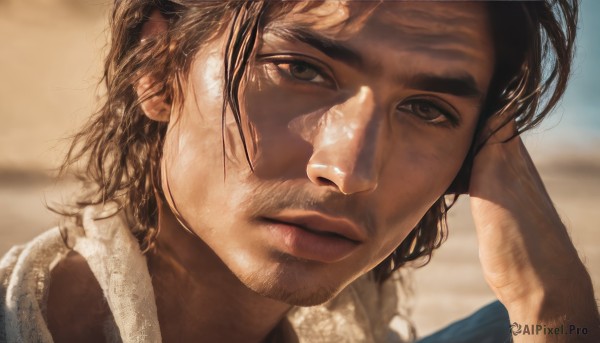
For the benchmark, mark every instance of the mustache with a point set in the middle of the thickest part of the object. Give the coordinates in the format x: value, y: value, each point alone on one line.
x: 272, y: 199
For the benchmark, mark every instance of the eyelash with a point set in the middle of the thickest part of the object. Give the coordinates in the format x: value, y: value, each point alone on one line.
x: 452, y: 120
x: 277, y: 61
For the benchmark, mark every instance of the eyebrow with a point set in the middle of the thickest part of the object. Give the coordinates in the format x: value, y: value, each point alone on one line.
x: 325, y: 45
x: 460, y: 84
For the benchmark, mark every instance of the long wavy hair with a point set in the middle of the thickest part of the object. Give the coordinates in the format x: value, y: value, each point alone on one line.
x: 119, y: 148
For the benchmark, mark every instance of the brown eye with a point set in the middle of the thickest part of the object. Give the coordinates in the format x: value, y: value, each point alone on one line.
x: 297, y: 70
x: 427, y: 111
x: 303, y: 71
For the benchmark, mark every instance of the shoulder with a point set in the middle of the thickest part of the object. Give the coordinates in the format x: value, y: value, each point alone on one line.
x: 76, y: 309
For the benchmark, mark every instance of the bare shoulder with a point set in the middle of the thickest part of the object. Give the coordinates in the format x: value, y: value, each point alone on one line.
x: 76, y: 308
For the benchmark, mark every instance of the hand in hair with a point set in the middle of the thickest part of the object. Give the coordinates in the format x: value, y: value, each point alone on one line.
x: 527, y: 256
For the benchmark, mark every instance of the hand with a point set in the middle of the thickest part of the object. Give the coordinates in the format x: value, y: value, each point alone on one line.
x: 525, y: 251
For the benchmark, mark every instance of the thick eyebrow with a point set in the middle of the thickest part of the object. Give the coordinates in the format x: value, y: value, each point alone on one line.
x: 325, y: 45
x: 462, y: 84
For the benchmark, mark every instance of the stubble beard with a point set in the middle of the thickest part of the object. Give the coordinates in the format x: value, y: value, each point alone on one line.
x: 288, y: 286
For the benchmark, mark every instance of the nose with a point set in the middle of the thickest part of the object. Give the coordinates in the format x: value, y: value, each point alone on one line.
x: 345, y: 145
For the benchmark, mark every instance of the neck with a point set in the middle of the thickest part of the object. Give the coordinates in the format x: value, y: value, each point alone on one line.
x: 197, y: 296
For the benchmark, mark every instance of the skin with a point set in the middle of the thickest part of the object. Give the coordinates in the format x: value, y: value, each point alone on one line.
x: 351, y: 140
x: 324, y: 147
x: 344, y: 141
x: 525, y: 251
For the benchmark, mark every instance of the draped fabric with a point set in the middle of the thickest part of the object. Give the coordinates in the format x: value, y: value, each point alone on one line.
x: 360, y: 313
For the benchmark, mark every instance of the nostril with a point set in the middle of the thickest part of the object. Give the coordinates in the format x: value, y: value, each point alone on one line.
x: 325, y: 181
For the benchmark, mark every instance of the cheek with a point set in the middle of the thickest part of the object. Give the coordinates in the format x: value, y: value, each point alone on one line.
x: 186, y: 169
x: 272, y: 106
x: 197, y: 187
x: 193, y: 151
x: 420, y: 168
x: 429, y: 156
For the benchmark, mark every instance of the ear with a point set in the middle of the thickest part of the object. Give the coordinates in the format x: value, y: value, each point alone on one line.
x: 154, y: 107
x: 156, y: 24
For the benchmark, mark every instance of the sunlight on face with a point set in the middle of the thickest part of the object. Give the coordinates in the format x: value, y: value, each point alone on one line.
x: 359, y: 121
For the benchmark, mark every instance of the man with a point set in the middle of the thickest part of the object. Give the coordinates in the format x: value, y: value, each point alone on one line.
x: 270, y: 156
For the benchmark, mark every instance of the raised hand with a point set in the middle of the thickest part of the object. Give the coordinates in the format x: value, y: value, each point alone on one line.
x: 525, y: 251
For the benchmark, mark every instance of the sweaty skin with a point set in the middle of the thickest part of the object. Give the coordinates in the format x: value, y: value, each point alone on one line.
x: 374, y: 159
x: 370, y: 131
x: 373, y: 140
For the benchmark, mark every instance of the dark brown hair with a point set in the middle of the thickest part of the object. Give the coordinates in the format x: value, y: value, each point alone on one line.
x: 120, y: 148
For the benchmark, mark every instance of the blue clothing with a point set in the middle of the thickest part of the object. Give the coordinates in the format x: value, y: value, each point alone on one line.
x: 489, y: 324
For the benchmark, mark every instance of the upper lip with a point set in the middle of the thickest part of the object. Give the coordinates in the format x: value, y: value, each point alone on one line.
x: 322, y: 223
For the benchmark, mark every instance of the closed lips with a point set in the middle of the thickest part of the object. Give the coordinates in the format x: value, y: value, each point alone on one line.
x: 321, y: 224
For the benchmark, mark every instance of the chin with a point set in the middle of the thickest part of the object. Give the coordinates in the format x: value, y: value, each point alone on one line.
x: 305, y: 296
x: 297, y: 297
x: 291, y: 286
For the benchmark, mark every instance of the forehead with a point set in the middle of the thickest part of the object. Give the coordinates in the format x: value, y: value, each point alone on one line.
x: 433, y: 33
x: 416, y: 22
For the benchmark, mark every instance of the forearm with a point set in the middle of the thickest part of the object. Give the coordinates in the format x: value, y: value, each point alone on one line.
x: 525, y: 250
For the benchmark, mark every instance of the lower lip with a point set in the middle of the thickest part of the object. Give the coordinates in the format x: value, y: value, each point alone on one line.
x: 308, y: 245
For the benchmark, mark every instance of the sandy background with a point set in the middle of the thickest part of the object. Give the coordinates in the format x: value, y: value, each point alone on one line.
x: 50, y: 55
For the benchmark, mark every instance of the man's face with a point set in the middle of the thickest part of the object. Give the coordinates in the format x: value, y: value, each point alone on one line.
x: 357, y: 119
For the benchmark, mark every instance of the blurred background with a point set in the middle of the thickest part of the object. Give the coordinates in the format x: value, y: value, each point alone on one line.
x: 51, y: 53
